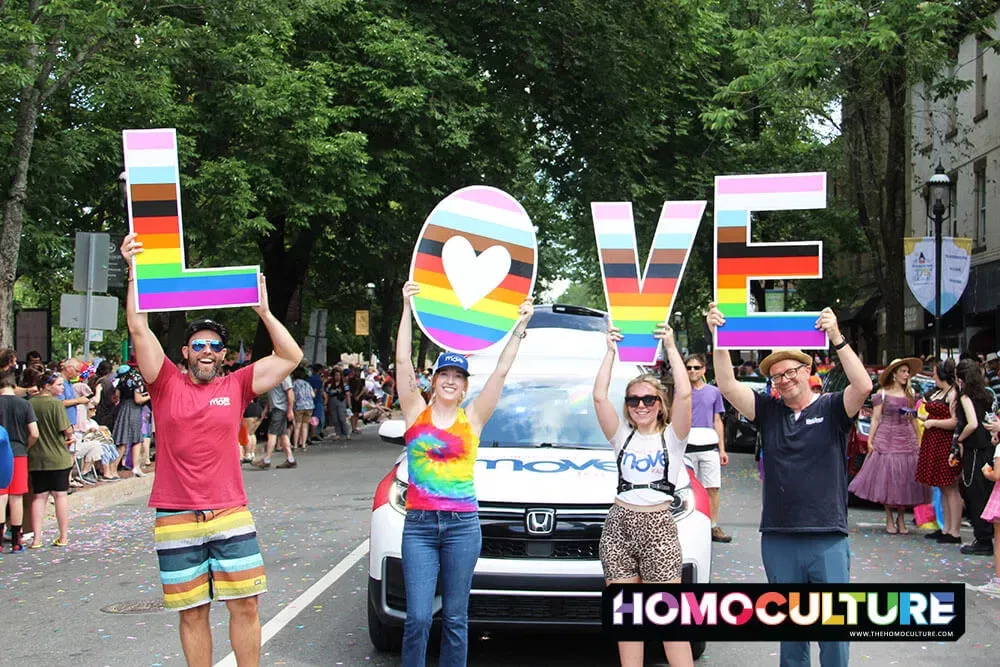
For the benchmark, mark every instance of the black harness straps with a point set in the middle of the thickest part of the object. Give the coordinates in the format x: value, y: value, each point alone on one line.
x: 661, y: 485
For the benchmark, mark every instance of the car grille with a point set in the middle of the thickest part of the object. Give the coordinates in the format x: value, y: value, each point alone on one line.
x: 534, y: 608
x: 517, y: 608
x: 499, y: 547
x: 576, y: 533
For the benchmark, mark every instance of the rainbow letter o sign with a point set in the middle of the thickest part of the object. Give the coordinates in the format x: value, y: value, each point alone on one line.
x: 476, y: 261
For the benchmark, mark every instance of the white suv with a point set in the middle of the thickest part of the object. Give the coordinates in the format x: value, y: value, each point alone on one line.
x: 545, y: 478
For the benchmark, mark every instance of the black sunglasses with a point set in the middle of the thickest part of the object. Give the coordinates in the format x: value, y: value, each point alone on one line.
x: 695, y: 368
x: 648, y: 401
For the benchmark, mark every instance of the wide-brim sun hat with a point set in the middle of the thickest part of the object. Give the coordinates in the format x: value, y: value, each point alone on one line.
x: 915, y: 364
x: 783, y: 355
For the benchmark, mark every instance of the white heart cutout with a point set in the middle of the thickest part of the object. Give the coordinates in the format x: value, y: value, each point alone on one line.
x: 470, y: 276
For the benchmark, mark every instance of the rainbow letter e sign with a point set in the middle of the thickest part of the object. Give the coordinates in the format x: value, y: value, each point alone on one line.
x: 162, y: 282
x: 738, y: 261
x: 475, y: 260
x: 637, y: 306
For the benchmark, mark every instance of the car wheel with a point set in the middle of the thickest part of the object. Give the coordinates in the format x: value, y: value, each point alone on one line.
x: 697, y: 648
x: 385, y: 638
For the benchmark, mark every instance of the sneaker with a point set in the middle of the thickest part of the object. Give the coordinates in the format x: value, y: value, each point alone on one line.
x: 263, y: 465
x: 991, y: 587
x: 718, y: 535
x: 978, y: 548
x: 288, y: 464
x: 89, y: 478
x: 17, y: 548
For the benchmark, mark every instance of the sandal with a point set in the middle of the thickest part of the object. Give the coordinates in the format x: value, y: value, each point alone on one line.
x: 35, y: 545
x: 891, y: 528
x: 59, y: 543
x: 901, y: 524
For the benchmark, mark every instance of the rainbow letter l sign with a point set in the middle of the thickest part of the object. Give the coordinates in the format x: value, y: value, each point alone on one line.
x: 737, y: 260
x: 162, y: 282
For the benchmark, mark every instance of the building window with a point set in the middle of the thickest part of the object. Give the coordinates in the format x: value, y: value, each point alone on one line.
x: 980, y: 197
x: 952, y: 100
x: 980, y: 81
x: 928, y: 115
x: 953, y: 203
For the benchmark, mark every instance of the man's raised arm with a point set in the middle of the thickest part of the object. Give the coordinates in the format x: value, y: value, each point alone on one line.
x: 270, y: 371
x: 148, y: 351
x: 740, y: 395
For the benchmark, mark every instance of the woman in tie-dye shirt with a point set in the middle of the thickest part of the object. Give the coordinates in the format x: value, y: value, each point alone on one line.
x: 441, y: 534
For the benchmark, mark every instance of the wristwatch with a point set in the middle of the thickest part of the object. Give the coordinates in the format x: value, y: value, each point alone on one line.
x: 522, y: 334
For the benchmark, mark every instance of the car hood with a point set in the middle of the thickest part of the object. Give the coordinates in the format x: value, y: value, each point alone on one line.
x: 544, y: 475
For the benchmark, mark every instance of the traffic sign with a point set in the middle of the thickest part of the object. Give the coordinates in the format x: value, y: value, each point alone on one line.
x: 103, y: 313
x: 98, y: 244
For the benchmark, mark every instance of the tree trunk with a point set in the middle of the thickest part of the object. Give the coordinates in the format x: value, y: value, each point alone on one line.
x: 284, y: 270
x: 13, y: 209
x: 421, y: 351
x: 893, y: 226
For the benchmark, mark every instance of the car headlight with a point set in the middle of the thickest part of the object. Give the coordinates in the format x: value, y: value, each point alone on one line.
x: 683, y: 504
x: 397, y: 496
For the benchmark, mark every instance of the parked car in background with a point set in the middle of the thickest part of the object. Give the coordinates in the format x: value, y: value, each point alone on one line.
x: 741, y: 435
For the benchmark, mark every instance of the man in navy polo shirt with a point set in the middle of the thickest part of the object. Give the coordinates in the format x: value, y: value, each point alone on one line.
x: 803, y: 521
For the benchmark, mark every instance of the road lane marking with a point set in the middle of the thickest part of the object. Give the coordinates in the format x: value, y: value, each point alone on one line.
x: 293, y: 608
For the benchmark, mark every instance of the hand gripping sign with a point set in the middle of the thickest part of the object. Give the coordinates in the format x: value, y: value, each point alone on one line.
x: 162, y: 280
x: 638, y: 305
x: 476, y: 262
x: 738, y: 261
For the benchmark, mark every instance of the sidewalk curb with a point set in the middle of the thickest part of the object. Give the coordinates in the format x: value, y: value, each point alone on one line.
x: 108, y: 494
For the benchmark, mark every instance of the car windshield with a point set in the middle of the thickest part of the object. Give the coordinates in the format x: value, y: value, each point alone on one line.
x: 567, y: 317
x: 548, y: 412
x: 758, y: 384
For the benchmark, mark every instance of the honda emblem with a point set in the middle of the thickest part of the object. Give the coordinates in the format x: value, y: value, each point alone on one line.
x: 540, y: 521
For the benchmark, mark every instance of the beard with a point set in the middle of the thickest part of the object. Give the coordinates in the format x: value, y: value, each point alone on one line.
x: 202, y: 374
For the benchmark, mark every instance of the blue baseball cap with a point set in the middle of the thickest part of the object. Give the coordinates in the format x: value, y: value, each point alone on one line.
x: 452, y: 360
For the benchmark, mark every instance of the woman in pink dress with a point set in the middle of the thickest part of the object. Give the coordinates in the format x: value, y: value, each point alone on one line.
x: 887, y: 477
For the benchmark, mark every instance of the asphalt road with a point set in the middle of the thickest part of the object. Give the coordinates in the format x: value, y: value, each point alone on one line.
x: 313, y: 523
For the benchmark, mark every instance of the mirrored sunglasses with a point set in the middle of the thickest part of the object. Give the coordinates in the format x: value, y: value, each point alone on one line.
x: 199, y: 345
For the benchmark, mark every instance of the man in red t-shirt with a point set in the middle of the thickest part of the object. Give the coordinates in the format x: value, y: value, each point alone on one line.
x: 206, y: 541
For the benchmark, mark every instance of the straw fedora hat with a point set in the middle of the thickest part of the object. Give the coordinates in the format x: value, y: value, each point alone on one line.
x: 782, y: 355
x: 915, y: 364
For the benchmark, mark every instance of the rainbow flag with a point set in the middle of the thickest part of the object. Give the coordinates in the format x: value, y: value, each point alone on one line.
x: 476, y: 262
x: 637, y: 306
x: 737, y: 260
x: 162, y: 282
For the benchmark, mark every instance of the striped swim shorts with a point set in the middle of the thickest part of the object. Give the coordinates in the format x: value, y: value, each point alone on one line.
x: 208, y: 555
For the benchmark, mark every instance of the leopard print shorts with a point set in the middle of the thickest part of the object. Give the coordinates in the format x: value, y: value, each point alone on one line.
x: 640, y: 544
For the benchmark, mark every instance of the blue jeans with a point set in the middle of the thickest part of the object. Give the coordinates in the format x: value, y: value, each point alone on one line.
x: 444, y: 544
x: 814, y: 558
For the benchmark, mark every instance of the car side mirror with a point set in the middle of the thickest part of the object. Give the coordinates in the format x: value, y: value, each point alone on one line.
x: 392, y: 431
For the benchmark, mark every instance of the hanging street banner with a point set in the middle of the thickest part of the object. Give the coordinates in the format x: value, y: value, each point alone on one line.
x: 956, y: 257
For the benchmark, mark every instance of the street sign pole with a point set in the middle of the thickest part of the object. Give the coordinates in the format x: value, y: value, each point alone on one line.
x: 90, y: 296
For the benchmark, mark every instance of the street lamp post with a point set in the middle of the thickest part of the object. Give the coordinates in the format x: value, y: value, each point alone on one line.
x: 940, y: 192
x: 370, y: 288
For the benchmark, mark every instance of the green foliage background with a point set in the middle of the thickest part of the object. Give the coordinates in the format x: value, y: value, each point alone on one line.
x: 317, y: 135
